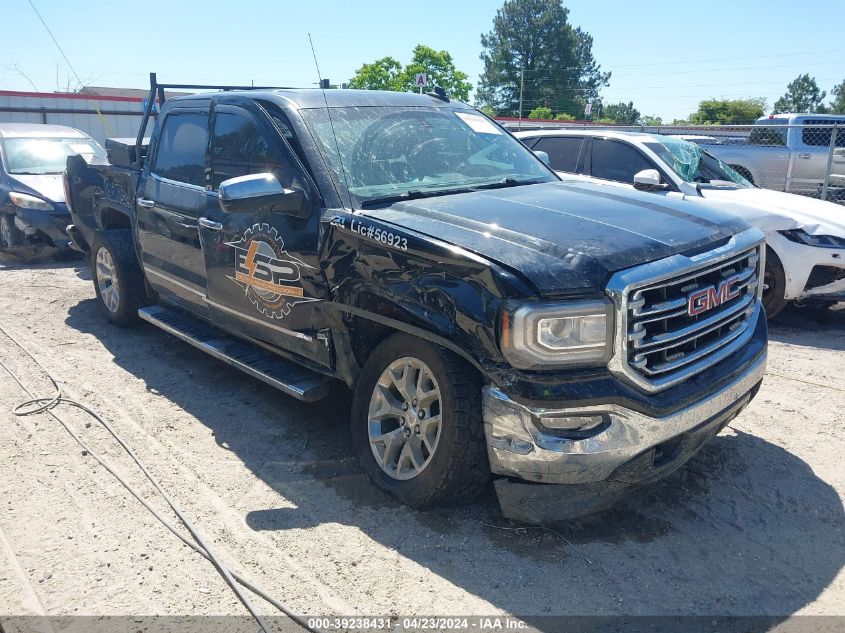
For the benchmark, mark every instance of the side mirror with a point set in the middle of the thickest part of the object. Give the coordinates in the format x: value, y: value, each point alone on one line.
x: 261, y: 193
x: 542, y: 156
x: 648, y: 180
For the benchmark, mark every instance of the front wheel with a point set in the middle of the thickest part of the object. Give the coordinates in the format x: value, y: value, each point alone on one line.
x: 774, y: 285
x: 118, y: 279
x: 10, y: 235
x: 416, y: 424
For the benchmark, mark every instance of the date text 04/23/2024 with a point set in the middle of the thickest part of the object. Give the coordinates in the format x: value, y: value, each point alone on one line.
x: 370, y: 232
x: 418, y: 623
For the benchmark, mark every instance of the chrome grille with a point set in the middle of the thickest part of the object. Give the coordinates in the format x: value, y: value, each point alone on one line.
x: 660, y: 342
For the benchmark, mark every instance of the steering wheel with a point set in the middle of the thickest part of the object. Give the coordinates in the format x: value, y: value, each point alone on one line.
x: 427, y: 157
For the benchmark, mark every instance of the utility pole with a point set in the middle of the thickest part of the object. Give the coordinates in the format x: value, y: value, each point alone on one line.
x: 521, y: 87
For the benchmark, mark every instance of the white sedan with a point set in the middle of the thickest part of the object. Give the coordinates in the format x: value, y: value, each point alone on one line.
x: 805, y: 258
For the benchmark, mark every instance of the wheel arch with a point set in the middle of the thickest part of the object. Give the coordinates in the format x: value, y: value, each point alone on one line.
x: 112, y: 218
x: 360, y: 329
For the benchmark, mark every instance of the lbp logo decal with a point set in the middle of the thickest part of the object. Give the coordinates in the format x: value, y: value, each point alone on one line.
x: 267, y: 272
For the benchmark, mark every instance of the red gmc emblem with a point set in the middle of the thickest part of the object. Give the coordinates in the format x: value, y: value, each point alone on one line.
x: 709, y: 298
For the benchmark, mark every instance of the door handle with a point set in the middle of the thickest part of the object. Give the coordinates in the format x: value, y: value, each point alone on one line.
x: 804, y: 155
x: 211, y: 224
x: 147, y: 204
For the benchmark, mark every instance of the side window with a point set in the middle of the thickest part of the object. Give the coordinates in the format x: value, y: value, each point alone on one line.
x: 614, y: 160
x: 238, y: 149
x: 280, y: 120
x: 180, y: 154
x: 815, y: 135
x: 563, y: 151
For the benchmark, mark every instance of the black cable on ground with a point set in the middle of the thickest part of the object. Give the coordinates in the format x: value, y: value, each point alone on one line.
x: 47, y: 404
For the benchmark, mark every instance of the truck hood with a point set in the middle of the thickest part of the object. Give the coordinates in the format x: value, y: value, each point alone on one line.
x: 47, y: 186
x: 563, y: 237
x: 777, y: 211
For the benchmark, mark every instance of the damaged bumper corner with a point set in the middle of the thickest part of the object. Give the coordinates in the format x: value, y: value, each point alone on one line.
x: 546, y: 477
x: 51, y: 225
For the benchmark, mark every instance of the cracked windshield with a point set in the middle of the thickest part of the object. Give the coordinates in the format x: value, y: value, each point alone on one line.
x: 385, y: 155
x: 693, y: 164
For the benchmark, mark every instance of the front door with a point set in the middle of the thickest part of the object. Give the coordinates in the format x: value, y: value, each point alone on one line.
x: 264, y: 278
x: 171, y: 198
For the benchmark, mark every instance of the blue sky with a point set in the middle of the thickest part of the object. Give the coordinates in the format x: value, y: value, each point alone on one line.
x: 665, y: 56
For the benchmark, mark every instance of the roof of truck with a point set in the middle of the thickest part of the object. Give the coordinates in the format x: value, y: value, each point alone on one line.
x: 314, y: 98
x: 29, y: 130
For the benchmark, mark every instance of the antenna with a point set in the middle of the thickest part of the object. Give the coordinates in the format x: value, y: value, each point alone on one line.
x: 331, y: 123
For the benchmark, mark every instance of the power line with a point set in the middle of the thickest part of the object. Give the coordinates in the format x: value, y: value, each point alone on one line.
x: 694, y: 61
x: 106, y: 125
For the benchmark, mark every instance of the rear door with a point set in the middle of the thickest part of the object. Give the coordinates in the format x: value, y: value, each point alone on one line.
x: 811, y: 154
x: 263, y: 270
x: 170, y: 199
x: 566, y: 153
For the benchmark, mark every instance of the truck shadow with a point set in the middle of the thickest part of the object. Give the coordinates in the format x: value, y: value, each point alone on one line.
x: 746, y: 528
x: 824, y: 329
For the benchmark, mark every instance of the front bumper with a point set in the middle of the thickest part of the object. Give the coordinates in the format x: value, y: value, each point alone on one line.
x: 799, y: 260
x: 49, y: 224
x: 629, y: 449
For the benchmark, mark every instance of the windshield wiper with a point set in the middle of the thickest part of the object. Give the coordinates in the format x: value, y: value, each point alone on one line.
x: 413, y: 194
x: 416, y: 194
x: 508, y: 182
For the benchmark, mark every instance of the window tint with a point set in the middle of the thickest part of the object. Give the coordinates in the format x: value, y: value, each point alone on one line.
x: 563, y: 152
x: 614, y: 160
x: 816, y: 136
x: 181, y: 148
x: 763, y: 135
x: 238, y: 149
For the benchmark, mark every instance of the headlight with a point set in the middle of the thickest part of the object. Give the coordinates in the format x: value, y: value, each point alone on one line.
x: 824, y: 241
x: 26, y: 201
x: 548, y: 335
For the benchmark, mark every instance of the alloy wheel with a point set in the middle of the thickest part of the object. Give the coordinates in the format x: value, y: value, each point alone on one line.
x: 404, y: 418
x: 107, y: 280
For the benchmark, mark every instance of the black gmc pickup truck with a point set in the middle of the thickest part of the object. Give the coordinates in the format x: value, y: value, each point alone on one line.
x: 567, y: 341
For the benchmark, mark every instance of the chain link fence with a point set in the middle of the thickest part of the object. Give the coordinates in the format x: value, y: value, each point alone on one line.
x: 802, y: 154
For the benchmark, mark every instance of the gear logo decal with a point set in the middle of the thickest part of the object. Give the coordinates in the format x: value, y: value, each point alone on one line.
x: 267, y: 272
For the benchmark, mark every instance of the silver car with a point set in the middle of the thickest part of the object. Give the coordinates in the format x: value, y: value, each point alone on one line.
x: 786, y: 152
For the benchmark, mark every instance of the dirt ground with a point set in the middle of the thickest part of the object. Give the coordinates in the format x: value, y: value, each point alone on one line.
x: 754, y: 525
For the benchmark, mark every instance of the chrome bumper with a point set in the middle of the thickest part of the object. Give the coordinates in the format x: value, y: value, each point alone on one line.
x: 518, y: 447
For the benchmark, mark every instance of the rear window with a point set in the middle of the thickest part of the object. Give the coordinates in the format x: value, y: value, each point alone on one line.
x: 770, y: 133
x: 181, y: 148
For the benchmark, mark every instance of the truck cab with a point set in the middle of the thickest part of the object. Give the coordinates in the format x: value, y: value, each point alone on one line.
x: 491, y: 321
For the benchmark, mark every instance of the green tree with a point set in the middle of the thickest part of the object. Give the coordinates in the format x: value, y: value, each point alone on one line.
x: 653, y: 121
x: 622, y: 113
x: 440, y: 70
x: 382, y: 74
x: 802, y: 95
x: 533, y: 39
x: 563, y: 116
x: 540, y: 112
x: 728, y: 111
x: 837, y: 106
x: 388, y: 73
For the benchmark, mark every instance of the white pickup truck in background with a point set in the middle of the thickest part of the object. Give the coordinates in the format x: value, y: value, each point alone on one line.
x: 790, y: 152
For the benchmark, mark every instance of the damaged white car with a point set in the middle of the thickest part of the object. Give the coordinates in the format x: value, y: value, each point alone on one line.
x: 805, y: 258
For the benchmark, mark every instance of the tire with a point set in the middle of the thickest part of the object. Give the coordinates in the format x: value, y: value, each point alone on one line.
x: 114, y: 266
x: 10, y: 235
x: 774, y: 287
x: 456, y: 470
